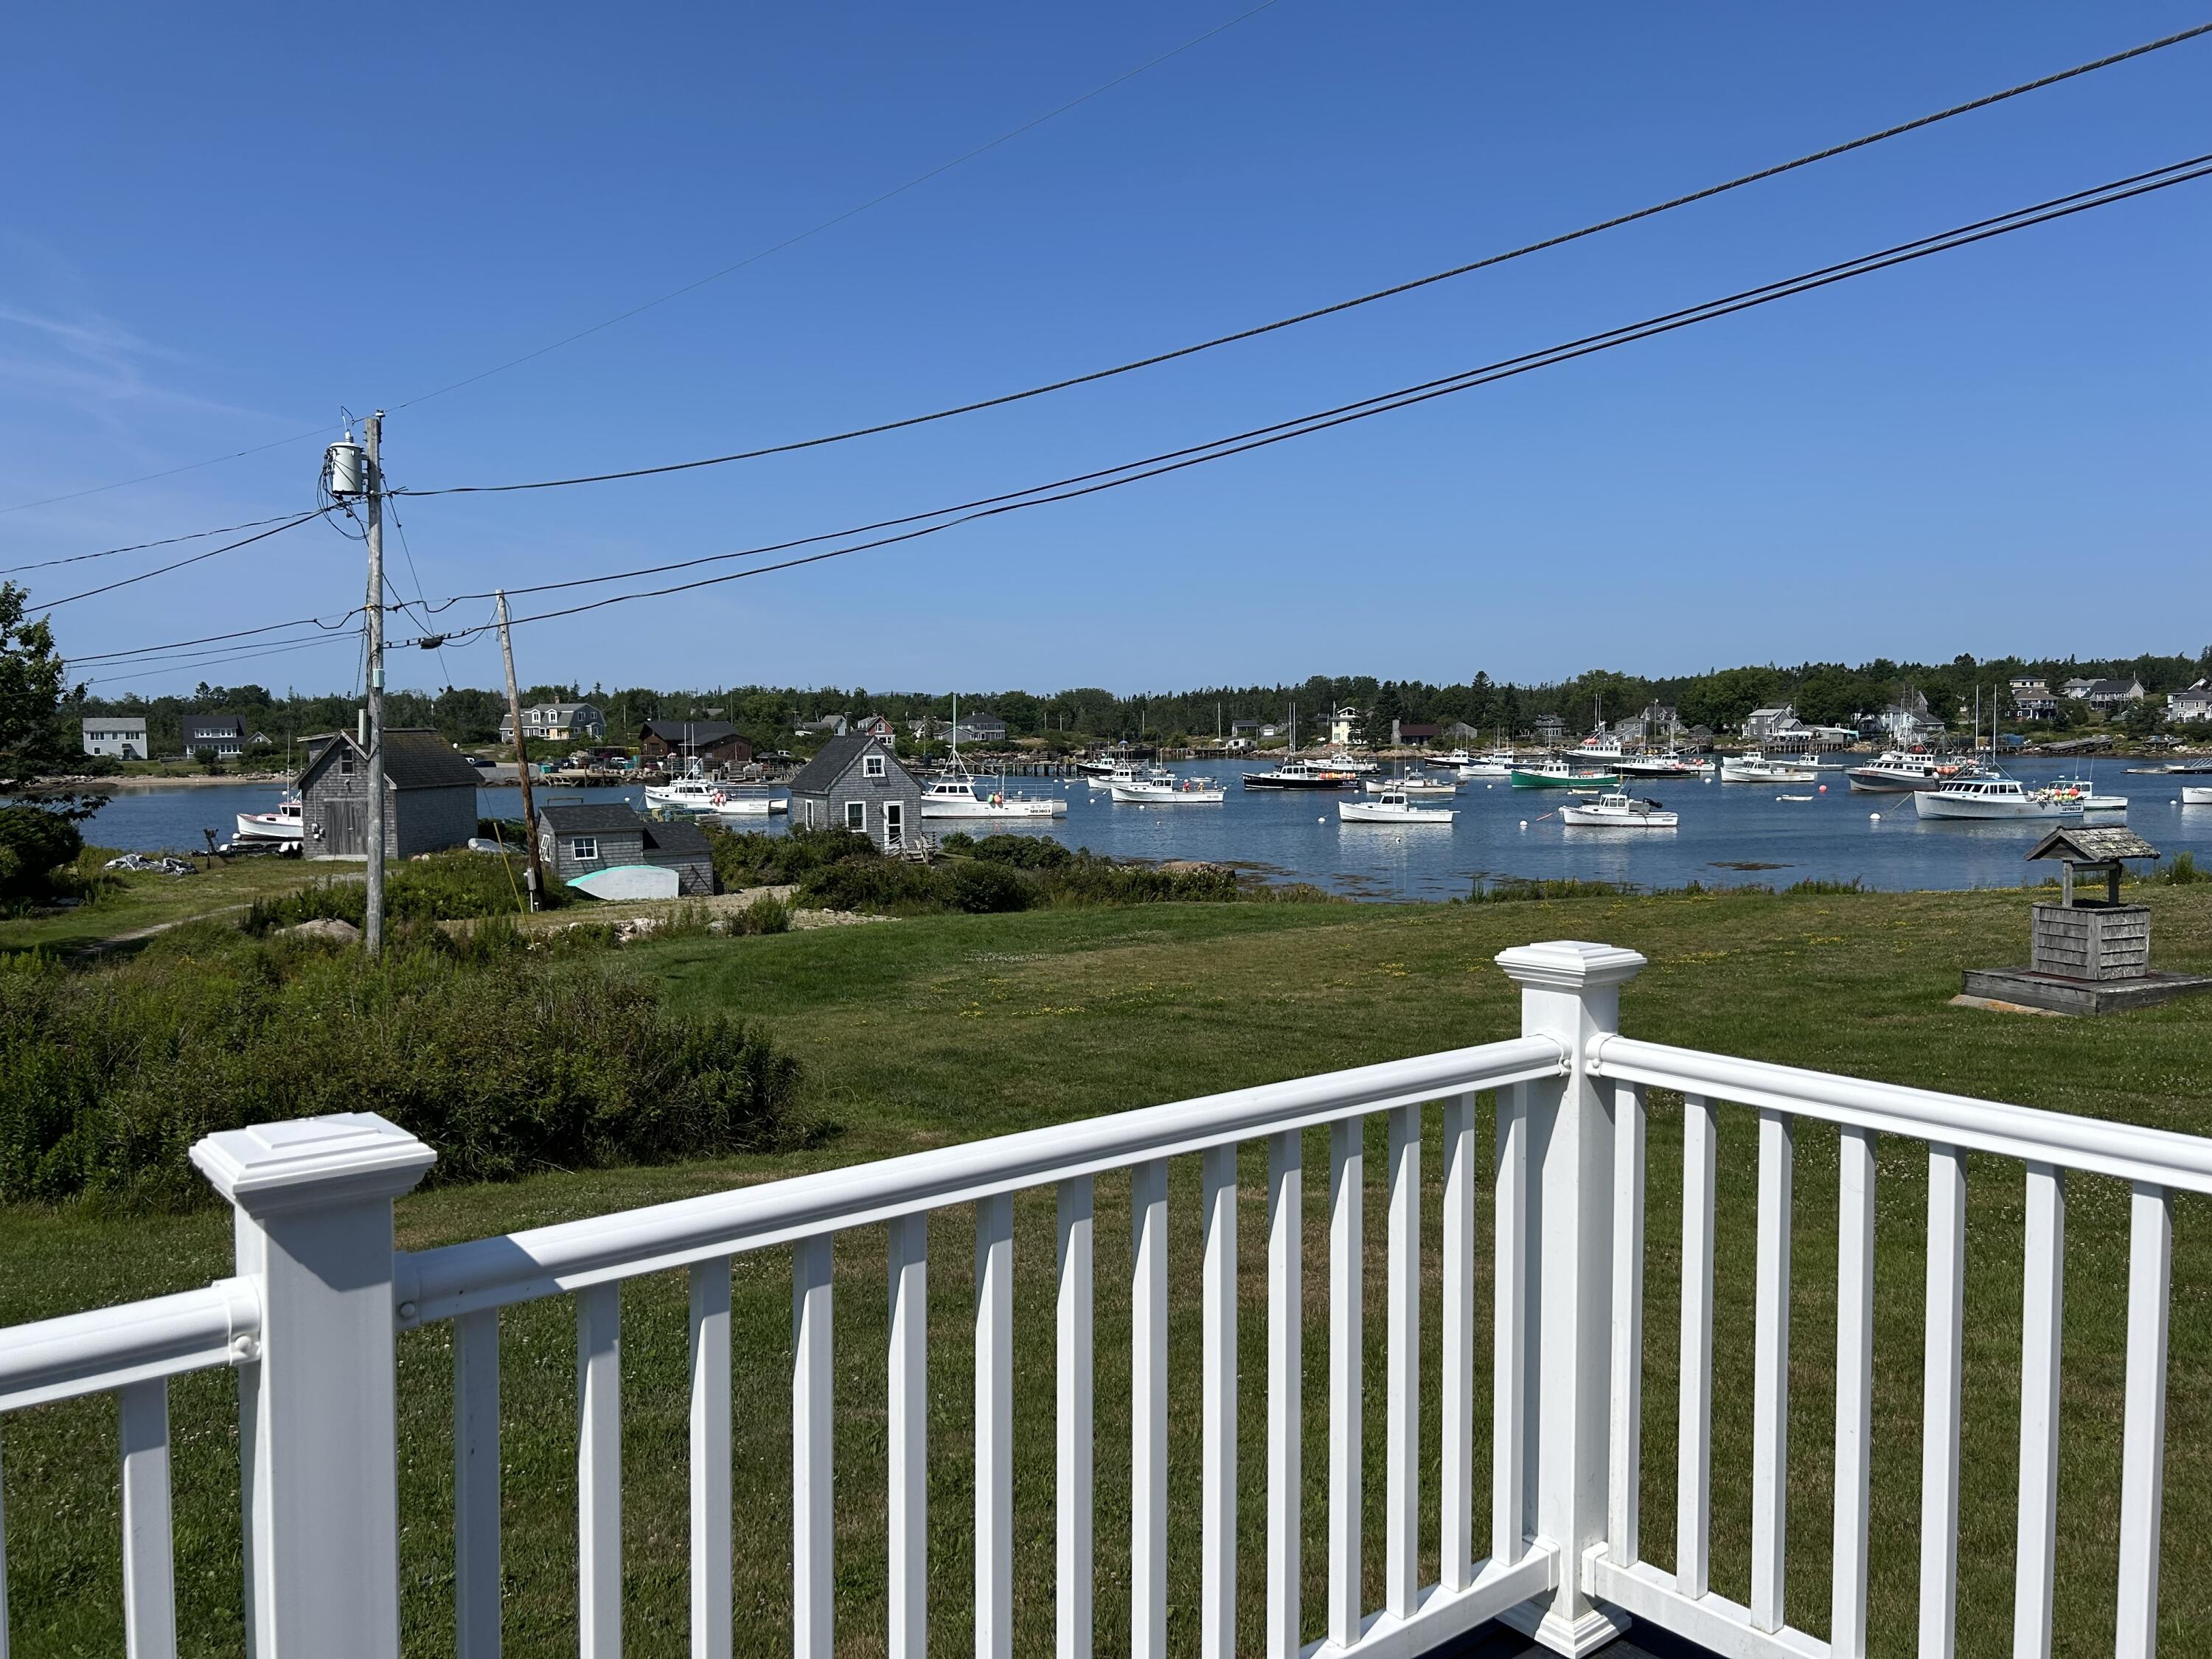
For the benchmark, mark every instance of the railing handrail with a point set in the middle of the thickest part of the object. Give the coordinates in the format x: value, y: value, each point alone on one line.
x: 112, y: 1348
x: 458, y: 1279
x: 2125, y: 1151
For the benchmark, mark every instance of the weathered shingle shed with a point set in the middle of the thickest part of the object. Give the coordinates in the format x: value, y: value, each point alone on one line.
x: 711, y: 743
x: 429, y: 797
x: 856, y: 783
x: 574, y: 840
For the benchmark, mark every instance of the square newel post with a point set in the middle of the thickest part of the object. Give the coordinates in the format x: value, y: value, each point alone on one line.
x: 1569, y: 991
x: 312, y: 1202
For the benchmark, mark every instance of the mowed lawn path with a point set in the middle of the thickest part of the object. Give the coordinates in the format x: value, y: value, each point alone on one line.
x: 933, y: 1030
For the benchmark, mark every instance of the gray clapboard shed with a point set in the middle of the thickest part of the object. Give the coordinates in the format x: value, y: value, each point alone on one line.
x: 429, y: 797
x: 574, y: 840
x: 856, y: 783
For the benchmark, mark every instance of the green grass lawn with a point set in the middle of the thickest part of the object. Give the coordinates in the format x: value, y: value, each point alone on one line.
x: 938, y: 1029
x: 138, y: 903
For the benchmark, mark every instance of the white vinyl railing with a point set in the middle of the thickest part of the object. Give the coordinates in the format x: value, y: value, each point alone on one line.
x: 311, y: 1320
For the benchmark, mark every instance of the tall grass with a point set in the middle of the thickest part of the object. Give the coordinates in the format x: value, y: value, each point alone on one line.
x: 505, y: 1058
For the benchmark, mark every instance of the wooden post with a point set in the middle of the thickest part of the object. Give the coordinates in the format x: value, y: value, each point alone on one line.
x: 521, y: 759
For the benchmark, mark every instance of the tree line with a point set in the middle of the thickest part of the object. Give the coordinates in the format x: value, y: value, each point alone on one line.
x: 1822, y: 693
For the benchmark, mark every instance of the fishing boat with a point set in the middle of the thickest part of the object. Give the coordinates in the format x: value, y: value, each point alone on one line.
x: 1097, y: 770
x: 1451, y: 761
x: 2196, y: 794
x: 749, y: 800
x: 1896, y: 771
x: 1617, y: 811
x: 2084, y: 793
x: 2001, y: 799
x: 281, y: 825
x: 953, y: 796
x: 1755, y: 767
x: 688, y: 794
x: 1412, y: 784
x: 1557, y: 772
x: 1132, y: 774
x: 1669, y: 765
x: 1498, y: 764
x: 1599, y: 749
x: 1171, y: 791
x: 1299, y: 775
x: 1340, y: 762
x: 1392, y: 806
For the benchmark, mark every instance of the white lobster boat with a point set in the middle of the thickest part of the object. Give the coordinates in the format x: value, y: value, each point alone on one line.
x: 691, y: 794
x: 1171, y: 791
x: 1414, y: 785
x: 2195, y: 794
x: 954, y: 796
x: 749, y: 800
x: 1392, y: 807
x: 1755, y: 767
x: 281, y: 825
x: 1618, y: 810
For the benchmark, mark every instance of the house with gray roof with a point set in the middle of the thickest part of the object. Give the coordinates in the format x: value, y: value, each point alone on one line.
x: 224, y: 733
x: 575, y: 841
x: 429, y: 796
x: 123, y: 736
x: 556, y: 722
x: 857, y: 783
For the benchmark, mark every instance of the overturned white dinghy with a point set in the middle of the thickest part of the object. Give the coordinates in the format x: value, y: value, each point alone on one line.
x: 630, y: 881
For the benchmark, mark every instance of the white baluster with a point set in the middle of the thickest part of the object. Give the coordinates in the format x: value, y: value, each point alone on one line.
x: 150, y: 1594
x: 1217, y: 1450
x: 599, y: 1471
x: 1509, y: 1486
x: 1072, y: 1604
x: 1148, y: 1411
x: 1286, y: 1415
x: 1402, y: 1484
x: 1457, y: 1434
x: 907, y: 1499
x: 711, y: 1517
x: 1347, y: 1164
x: 994, y: 1427
x: 1847, y: 1619
x: 1939, y: 1443
x: 1694, y: 1477
x: 2143, y: 1449
x: 1770, y: 1432
x: 476, y: 1485
x: 2043, y: 1301
x: 813, y: 1584
x: 1626, y: 1461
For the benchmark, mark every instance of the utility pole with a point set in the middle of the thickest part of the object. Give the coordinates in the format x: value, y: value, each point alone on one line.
x: 522, y: 756
x: 372, y: 936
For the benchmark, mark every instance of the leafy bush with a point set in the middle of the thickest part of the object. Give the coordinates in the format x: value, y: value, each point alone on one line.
x: 2184, y: 871
x: 753, y: 857
x: 1022, y: 852
x: 765, y: 915
x: 35, y: 844
x: 506, y: 1060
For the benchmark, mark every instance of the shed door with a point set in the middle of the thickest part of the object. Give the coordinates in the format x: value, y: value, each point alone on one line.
x: 345, y: 827
x: 894, y: 824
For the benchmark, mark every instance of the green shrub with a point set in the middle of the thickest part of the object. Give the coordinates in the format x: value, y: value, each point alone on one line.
x: 1022, y: 852
x: 765, y: 915
x: 2184, y: 871
x: 753, y: 857
x: 444, y: 887
x: 35, y: 844
x: 505, y: 1060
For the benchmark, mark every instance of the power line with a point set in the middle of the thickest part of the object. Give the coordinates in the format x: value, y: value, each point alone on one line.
x: 213, y: 660
x: 163, y: 570
x: 1405, y: 397
x: 1391, y: 292
x: 140, y: 547
x: 712, y: 276
x: 210, y: 639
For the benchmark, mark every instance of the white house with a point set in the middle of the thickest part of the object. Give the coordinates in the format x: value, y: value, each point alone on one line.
x: 2194, y: 704
x: 556, y: 722
x: 1343, y: 724
x: 123, y: 736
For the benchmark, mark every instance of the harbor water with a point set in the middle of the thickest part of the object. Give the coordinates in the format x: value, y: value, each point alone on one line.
x: 1730, y: 834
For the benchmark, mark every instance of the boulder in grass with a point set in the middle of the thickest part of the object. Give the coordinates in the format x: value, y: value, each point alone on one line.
x: 334, y: 928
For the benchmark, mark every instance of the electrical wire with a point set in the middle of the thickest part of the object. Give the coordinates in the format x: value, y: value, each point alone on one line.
x: 210, y: 662
x: 197, y: 558
x: 1404, y: 397
x: 140, y: 547
x: 210, y: 639
x: 712, y: 277
x: 1391, y: 292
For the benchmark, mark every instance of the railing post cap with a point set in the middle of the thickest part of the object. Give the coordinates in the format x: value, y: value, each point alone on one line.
x: 311, y: 1161
x: 1569, y: 964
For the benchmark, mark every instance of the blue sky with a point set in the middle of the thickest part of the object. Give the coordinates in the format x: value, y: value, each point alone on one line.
x: 213, y: 237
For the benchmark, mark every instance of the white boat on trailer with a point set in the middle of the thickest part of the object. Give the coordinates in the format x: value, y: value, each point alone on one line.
x: 1392, y: 807
x: 281, y: 826
x: 1617, y: 810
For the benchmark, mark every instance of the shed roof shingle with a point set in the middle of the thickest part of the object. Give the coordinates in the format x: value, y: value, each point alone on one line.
x: 592, y: 818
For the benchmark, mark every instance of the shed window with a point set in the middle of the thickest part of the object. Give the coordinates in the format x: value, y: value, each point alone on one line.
x: 872, y: 767
x: 584, y: 846
x: 856, y: 815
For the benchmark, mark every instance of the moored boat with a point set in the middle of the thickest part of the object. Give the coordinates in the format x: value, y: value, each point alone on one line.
x: 1756, y: 767
x: 1617, y: 810
x: 1897, y: 771
x: 1556, y: 772
x: 2000, y: 799
x: 2196, y: 795
x: 690, y: 794
x: 1298, y: 775
x: 1392, y: 806
x: 953, y: 796
x: 749, y: 800
x: 1171, y: 791
x: 1412, y: 784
